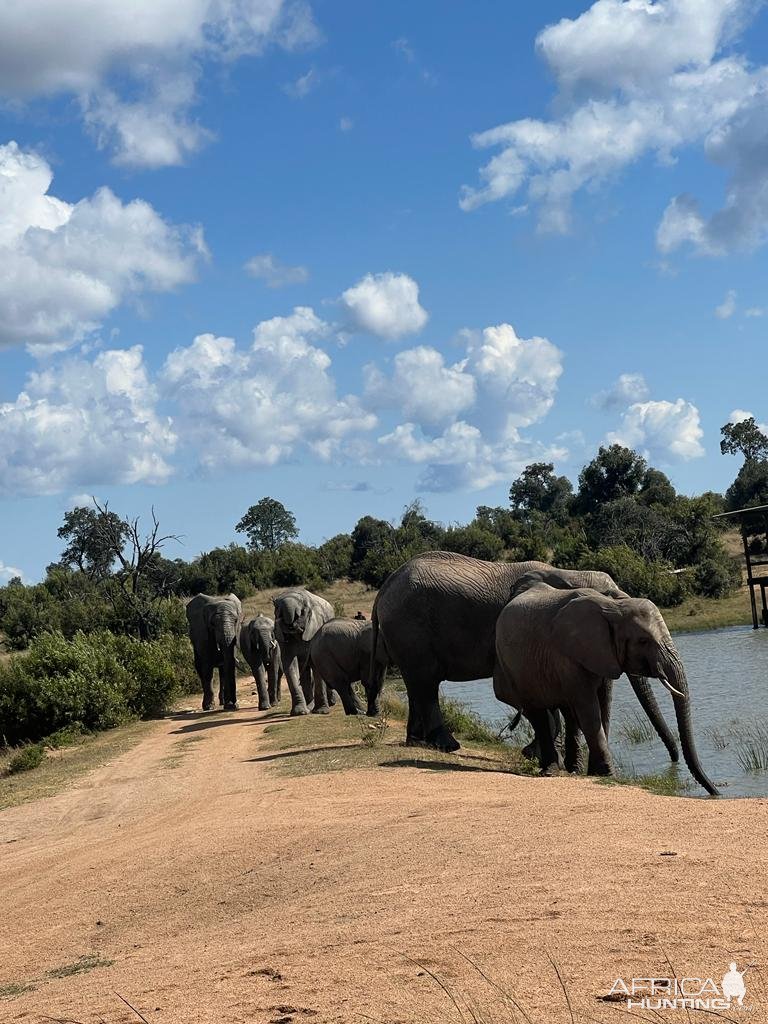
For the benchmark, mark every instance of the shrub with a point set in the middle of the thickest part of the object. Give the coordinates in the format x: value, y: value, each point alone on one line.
x: 27, y: 758
x: 716, y: 577
x: 638, y: 577
x: 97, y: 680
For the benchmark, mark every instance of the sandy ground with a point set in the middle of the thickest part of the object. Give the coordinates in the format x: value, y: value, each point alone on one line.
x: 223, y: 891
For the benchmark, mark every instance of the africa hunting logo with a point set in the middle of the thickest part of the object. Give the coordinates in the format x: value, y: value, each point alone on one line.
x: 683, y: 993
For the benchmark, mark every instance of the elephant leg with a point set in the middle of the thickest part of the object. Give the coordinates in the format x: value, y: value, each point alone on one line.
x: 605, y: 696
x: 333, y: 700
x: 307, y: 683
x: 373, y: 690
x: 533, y: 750
x: 426, y: 707
x: 273, y: 685
x: 278, y: 687
x: 646, y: 696
x: 293, y: 677
x: 322, y: 704
x: 549, y: 756
x: 205, y: 671
x: 589, y: 714
x: 574, y: 760
x: 349, y: 699
x: 260, y: 676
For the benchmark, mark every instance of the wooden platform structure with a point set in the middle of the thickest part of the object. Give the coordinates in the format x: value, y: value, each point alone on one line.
x: 754, y: 523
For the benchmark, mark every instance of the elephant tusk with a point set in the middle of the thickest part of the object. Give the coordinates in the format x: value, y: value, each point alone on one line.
x: 670, y: 687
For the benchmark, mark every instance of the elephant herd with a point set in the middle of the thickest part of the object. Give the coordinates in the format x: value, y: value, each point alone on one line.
x: 553, y: 641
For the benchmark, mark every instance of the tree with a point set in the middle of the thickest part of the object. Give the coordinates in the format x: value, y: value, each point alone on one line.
x: 144, y: 578
x: 657, y: 489
x: 615, y: 472
x: 92, y: 537
x: 537, y: 489
x: 745, y: 437
x: 268, y: 525
x: 750, y: 486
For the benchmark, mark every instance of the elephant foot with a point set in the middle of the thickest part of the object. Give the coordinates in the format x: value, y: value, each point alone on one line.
x: 274, y: 703
x: 441, y: 739
x: 600, y: 769
x: 323, y: 709
x: 551, y: 771
x: 333, y: 700
x: 298, y: 710
x: 231, y: 705
x: 264, y: 707
x: 531, y: 751
x: 207, y: 705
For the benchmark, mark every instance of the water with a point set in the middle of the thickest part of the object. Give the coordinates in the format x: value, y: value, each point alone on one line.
x: 728, y: 676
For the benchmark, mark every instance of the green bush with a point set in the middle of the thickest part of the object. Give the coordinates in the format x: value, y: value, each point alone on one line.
x: 98, y: 680
x: 27, y: 758
x: 638, y: 577
x: 716, y: 577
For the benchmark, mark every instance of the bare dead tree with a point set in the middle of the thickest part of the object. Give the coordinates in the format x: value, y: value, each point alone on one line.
x: 143, y: 578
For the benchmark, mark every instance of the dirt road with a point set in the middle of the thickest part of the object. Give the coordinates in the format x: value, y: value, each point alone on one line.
x: 192, y: 879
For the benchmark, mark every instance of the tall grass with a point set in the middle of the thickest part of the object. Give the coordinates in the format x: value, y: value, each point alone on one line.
x: 636, y: 729
x: 752, y: 748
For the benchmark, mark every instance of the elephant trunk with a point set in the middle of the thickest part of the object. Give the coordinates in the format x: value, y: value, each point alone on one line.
x: 649, y: 704
x: 676, y: 677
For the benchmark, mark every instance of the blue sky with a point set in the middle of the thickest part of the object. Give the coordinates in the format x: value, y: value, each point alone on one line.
x: 478, y: 235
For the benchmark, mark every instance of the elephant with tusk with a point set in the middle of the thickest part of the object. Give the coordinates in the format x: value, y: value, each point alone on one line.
x: 299, y: 614
x: 560, y: 649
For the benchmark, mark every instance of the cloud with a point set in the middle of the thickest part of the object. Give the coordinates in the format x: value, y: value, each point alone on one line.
x: 346, y: 124
x: 754, y: 312
x: 627, y: 389
x: 662, y: 431
x: 463, y: 421
x: 66, y: 266
x: 351, y: 486
x: 263, y: 405
x: 134, y: 68
x: 9, y: 572
x: 303, y: 85
x: 637, y: 77
x: 386, y: 305
x: 727, y: 307
x: 78, y: 423
x: 421, y: 386
x: 274, y: 273
x: 739, y: 415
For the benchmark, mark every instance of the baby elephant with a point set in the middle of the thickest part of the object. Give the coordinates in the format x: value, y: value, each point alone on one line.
x: 340, y: 652
x: 558, y: 649
x: 261, y: 651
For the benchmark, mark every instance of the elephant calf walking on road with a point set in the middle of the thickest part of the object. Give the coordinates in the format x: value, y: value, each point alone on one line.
x: 561, y: 648
x: 341, y: 653
x: 261, y: 651
x: 213, y: 625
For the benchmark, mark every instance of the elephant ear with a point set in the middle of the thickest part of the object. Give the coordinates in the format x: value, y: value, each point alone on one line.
x: 313, y: 620
x: 588, y: 630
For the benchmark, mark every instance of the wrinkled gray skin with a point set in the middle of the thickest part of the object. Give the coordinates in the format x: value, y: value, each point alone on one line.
x: 557, y: 648
x: 341, y: 653
x: 569, y: 579
x: 298, y: 616
x: 260, y: 650
x: 213, y: 626
x: 437, y: 616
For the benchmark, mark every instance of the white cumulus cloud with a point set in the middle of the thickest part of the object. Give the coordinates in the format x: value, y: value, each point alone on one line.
x: 134, y: 67
x: 627, y: 389
x: 386, y: 305
x: 273, y: 273
x: 80, y: 422
x: 638, y: 77
x: 462, y: 422
x: 8, y: 572
x: 727, y: 307
x: 66, y: 266
x: 662, y: 431
x: 260, y: 406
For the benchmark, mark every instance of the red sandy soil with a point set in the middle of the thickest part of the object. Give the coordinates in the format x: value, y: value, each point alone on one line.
x: 226, y: 892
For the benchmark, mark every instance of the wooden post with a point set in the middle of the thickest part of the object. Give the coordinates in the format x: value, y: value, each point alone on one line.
x: 750, y: 583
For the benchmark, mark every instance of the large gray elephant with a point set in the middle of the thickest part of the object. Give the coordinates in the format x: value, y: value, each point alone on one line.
x: 340, y: 652
x: 298, y: 616
x: 213, y: 625
x: 557, y: 648
x: 261, y: 651
x: 437, y: 615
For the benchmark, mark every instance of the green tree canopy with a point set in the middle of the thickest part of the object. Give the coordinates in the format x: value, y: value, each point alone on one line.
x: 657, y: 489
x: 750, y: 486
x: 268, y: 525
x: 745, y: 438
x: 93, y: 537
x: 615, y: 472
x: 537, y: 489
